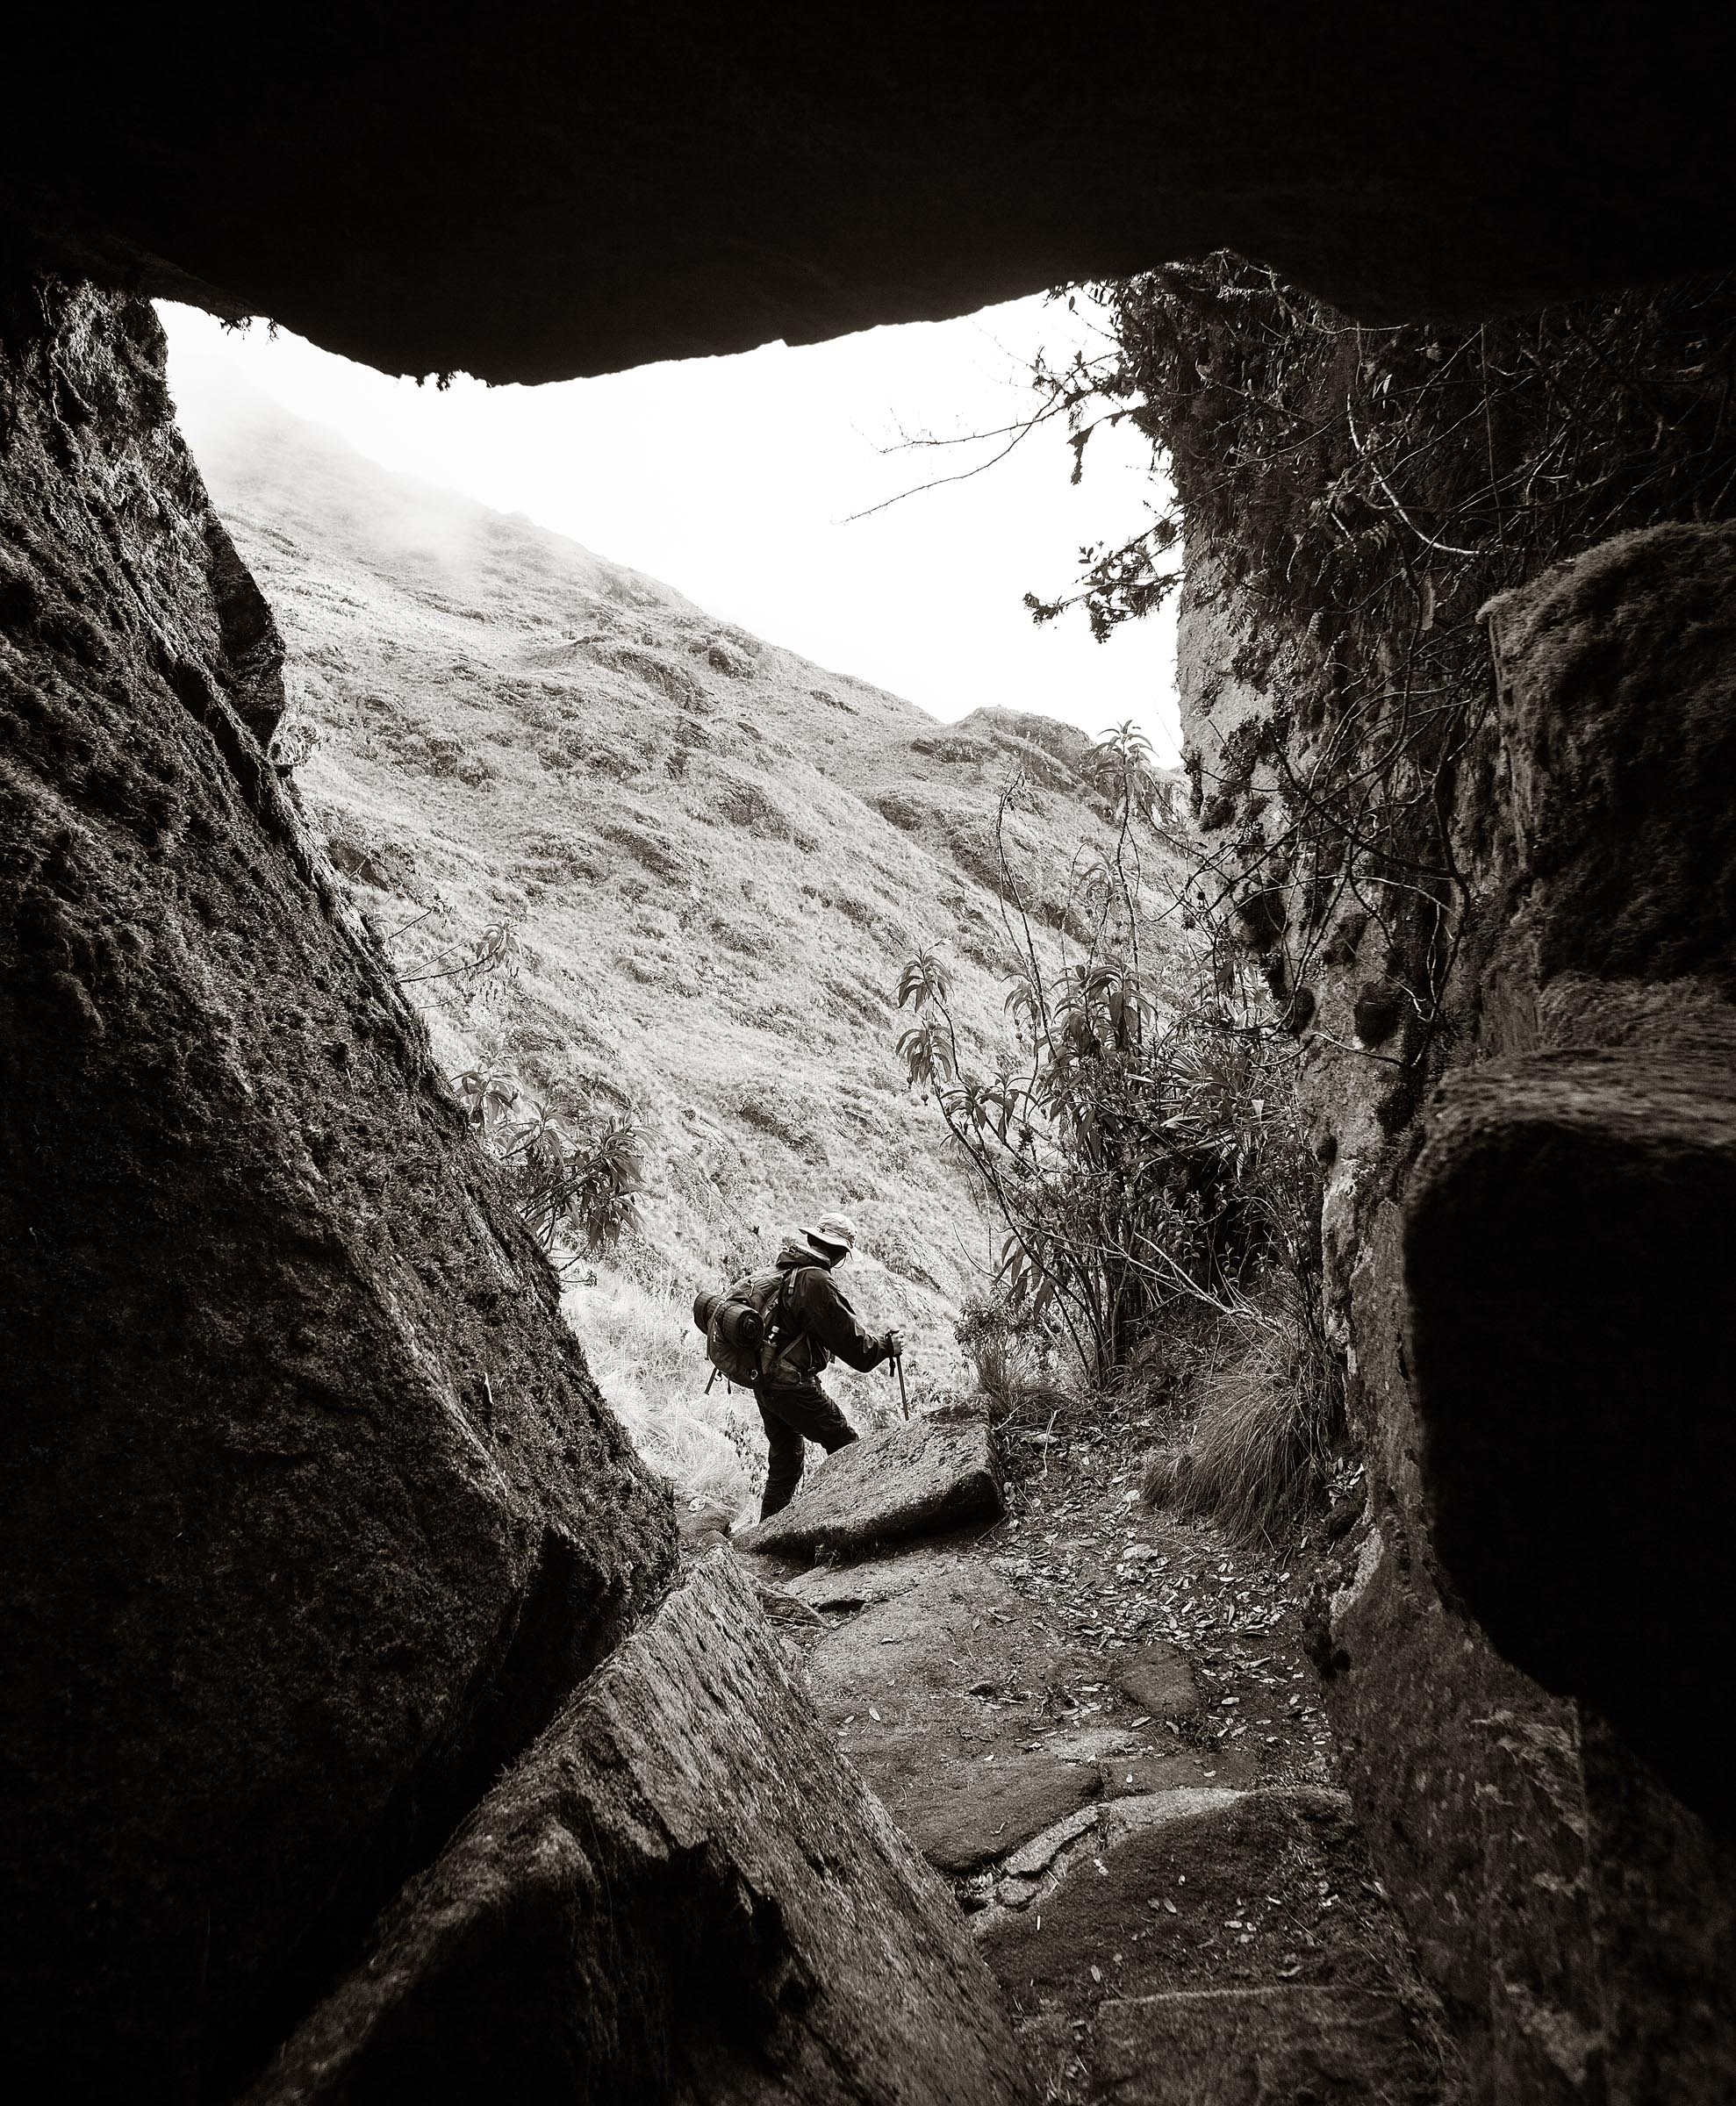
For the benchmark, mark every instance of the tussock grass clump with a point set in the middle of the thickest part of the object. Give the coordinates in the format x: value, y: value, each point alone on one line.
x: 1260, y: 1455
x: 1012, y: 1362
x: 1019, y: 1393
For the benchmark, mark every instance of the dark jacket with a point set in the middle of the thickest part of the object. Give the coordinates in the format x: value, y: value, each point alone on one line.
x: 815, y: 1319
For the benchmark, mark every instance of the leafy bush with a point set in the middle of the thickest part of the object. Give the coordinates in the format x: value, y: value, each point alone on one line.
x: 1142, y: 1147
x: 576, y: 1176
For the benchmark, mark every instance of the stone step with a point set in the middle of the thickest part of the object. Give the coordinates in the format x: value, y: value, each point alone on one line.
x: 1188, y: 1888
x: 1271, y: 2046
x: 935, y: 1678
x: 934, y: 1473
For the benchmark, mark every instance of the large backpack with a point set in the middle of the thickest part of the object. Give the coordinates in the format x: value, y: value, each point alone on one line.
x: 744, y: 1325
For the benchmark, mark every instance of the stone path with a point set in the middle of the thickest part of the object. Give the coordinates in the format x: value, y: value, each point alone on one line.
x: 1099, y: 1723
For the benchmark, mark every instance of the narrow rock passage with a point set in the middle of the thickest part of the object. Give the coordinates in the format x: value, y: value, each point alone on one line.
x: 1100, y: 1724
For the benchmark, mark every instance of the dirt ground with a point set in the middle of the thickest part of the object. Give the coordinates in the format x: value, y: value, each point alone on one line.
x: 1100, y: 1724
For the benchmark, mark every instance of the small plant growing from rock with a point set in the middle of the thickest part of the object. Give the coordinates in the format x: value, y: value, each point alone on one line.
x: 575, y: 1178
x: 293, y: 744
x: 469, y: 965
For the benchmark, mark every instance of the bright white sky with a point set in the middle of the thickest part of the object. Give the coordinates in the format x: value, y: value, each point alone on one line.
x: 735, y: 481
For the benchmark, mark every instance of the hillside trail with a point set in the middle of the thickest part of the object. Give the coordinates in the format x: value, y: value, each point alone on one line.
x: 1099, y: 1723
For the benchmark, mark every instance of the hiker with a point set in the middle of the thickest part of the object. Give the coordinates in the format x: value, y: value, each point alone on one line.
x: 814, y: 1321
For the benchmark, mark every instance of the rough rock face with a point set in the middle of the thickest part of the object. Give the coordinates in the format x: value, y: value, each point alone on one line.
x: 1616, y: 699
x: 1533, y: 1316
x: 920, y: 1479
x: 314, y: 1515
x: 1572, y: 1227
x: 582, y: 189
x: 1202, y: 1850
x: 1259, y: 2047
x: 683, y: 1893
x: 1158, y: 1915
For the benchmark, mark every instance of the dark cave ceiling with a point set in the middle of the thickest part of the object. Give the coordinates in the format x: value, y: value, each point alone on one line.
x: 532, y: 192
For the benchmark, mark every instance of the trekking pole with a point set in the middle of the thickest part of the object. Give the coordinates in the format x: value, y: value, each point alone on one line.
x: 898, y: 1362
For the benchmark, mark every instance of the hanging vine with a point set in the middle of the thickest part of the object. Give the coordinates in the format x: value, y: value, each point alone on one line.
x: 1365, y: 492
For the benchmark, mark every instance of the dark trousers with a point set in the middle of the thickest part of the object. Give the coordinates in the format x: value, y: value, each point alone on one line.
x: 793, y: 1416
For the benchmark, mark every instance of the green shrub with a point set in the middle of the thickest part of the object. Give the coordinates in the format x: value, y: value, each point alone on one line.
x: 576, y: 1176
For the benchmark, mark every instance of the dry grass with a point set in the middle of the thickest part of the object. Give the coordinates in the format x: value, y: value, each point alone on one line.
x: 1020, y: 1392
x: 1260, y: 1450
x: 649, y: 1359
x: 680, y: 827
x: 649, y: 1363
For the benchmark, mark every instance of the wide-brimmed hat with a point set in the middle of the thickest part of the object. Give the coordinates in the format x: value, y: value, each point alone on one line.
x: 836, y: 1231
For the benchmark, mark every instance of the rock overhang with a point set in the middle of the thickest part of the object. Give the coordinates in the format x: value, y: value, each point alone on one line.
x: 559, y: 192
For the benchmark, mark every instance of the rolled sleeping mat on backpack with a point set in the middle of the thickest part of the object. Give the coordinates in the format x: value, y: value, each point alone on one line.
x: 705, y: 1307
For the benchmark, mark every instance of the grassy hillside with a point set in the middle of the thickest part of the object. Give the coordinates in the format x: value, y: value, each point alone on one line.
x: 710, y: 859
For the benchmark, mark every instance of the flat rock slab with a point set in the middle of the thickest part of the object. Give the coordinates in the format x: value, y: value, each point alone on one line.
x: 1131, y: 1776
x: 1270, y: 2046
x: 682, y: 1892
x: 1159, y: 1680
x: 1191, y: 1888
x: 937, y: 1677
x: 968, y: 1814
x: 1094, y: 1743
x: 931, y: 1638
x: 922, y: 1478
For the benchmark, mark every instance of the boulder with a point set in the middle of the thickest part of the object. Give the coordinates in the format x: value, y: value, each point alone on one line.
x: 1616, y: 696
x: 1158, y: 1679
x: 314, y: 1514
x: 684, y: 1892
x: 921, y: 1479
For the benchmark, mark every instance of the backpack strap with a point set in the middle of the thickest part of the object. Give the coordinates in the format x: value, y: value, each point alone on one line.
x: 777, y: 1330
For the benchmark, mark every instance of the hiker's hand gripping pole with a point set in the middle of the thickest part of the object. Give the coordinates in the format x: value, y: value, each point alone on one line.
x: 895, y: 1355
